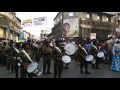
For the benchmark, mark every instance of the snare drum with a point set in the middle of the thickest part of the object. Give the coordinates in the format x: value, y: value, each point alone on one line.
x: 66, y: 59
x: 34, y: 68
x: 100, y: 54
x: 89, y: 58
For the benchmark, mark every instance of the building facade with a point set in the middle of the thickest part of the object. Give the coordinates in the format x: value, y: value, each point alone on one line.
x: 83, y: 24
x: 10, y: 26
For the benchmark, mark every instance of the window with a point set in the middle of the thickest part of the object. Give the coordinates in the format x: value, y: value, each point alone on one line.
x: 54, y: 22
x: 1, y: 32
x: 58, y: 20
x: 71, y: 14
x: 88, y: 16
x: 98, y: 17
x: 106, y: 19
x: 61, y: 17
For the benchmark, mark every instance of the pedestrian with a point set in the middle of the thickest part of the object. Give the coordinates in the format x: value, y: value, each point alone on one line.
x: 115, y: 66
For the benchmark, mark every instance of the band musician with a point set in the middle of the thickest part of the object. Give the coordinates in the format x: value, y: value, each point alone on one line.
x: 94, y: 51
x: 81, y: 54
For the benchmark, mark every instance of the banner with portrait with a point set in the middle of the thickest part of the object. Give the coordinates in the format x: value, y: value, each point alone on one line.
x: 40, y: 21
x: 70, y: 27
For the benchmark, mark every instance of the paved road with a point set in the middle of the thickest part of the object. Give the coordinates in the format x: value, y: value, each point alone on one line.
x: 73, y: 72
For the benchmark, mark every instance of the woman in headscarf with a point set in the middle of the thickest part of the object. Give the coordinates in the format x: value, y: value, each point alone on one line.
x: 116, y: 56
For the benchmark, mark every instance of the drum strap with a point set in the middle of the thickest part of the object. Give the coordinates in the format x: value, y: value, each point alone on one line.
x: 95, y: 48
x: 56, y: 58
x: 84, y: 50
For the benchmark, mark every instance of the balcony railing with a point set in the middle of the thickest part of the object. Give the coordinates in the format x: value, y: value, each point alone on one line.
x: 11, y: 17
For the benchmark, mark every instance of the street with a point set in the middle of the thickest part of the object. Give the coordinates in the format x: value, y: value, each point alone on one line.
x: 73, y: 72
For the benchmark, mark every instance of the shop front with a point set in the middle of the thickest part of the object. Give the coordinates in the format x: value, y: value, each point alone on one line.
x: 2, y: 33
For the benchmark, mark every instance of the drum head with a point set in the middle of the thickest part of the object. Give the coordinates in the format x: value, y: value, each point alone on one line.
x: 89, y: 58
x: 70, y: 49
x: 32, y: 67
x: 100, y: 54
x: 66, y: 59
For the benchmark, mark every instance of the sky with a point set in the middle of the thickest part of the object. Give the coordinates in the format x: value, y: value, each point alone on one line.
x: 35, y: 30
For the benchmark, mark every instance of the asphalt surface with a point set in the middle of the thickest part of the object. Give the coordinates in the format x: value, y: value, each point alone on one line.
x: 73, y: 72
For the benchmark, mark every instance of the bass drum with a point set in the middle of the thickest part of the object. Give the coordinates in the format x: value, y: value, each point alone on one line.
x: 66, y: 59
x: 70, y: 48
x: 34, y: 68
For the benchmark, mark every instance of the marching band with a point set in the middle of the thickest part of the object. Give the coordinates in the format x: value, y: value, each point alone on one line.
x: 26, y: 56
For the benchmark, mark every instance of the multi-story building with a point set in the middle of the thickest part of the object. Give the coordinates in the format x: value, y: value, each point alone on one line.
x: 83, y: 24
x: 10, y: 26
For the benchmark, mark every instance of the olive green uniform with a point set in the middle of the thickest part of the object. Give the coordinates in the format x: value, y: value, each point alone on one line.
x: 25, y: 63
x: 58, y: 63
x: 46, y: 52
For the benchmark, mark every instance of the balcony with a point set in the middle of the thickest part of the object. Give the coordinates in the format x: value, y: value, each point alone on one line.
x: 96, y: 24
x: 11, y: 16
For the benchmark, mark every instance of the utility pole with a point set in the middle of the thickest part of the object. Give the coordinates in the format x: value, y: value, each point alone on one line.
x: 13, y: 23
x: 62, y: 25
x: 115, y: 24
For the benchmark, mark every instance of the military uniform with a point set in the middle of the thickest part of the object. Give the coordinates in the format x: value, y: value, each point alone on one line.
x: 47, y: 52
x: 81, y: 54
x: 58, y: 63
x: 25, y: 63
x: 16, y: 61
x: 94, y: 52
x: 37, y: 53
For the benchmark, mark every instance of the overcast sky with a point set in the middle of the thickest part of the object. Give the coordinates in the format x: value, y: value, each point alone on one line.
x: 35, y: 30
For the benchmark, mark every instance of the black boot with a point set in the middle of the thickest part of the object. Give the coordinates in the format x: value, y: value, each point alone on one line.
x: 81, y: 72
x: 93, y: 66
x: 86, y: 72
x: 48, y: 72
